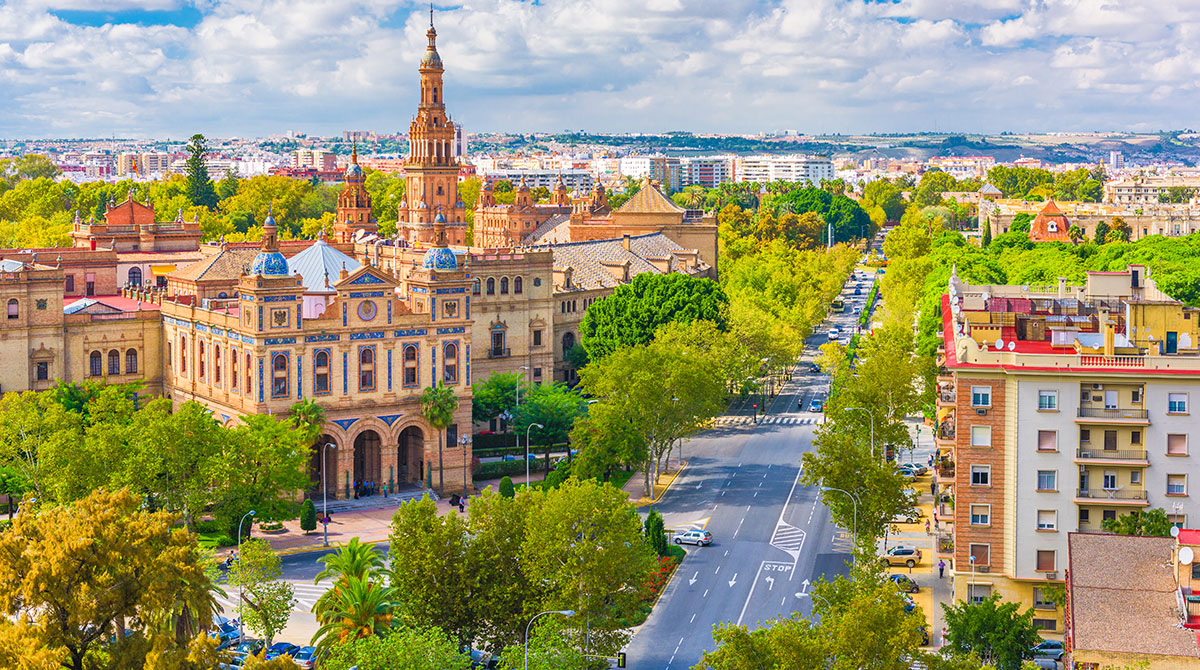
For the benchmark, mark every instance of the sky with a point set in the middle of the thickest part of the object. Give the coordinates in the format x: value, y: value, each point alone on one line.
x: 170, y: 68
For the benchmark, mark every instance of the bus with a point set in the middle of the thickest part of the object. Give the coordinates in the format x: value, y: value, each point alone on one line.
x: 838, y: 305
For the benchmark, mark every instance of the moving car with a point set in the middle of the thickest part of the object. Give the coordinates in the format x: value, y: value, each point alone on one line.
x: 813, y: 367
x: 281, y: 649
x: 306, y: 658
x: 834, y: 333
x: 817, y: 404
x: 902, y: 555
x: 905, y: 583
x: 696, y: 537
x: 1049, y: 649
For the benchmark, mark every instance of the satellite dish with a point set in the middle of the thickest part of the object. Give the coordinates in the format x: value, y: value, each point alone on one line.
x: 999, y: 343
x: 1174, y: 531
x: 1186, y: 555
x: 1012, y: 345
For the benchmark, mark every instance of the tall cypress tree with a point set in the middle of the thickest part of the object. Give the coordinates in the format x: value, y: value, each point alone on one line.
x: 200, y: 189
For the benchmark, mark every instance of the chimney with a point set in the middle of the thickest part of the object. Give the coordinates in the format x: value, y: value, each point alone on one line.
x: 1106, y: 327
x: 625, y: 242
x: 1062, y: 287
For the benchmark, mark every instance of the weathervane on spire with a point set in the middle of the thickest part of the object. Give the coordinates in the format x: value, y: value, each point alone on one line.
x: 431, y: 15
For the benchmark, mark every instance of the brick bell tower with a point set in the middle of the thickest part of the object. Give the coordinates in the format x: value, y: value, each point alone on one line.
x: 431, y: 188
x: 354, y: 204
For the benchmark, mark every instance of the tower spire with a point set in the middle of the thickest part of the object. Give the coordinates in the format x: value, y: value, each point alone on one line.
x: 431, y: 16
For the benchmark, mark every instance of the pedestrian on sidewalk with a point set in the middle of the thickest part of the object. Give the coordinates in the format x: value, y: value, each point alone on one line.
x: 385, y: 488
x: 462, y: 505
x: 927, y: 527
x: 942, y: 569
x: 933, y: 489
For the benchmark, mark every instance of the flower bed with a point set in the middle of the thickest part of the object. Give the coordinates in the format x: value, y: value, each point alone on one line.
x: 659, y: 580
x: 272, y: 527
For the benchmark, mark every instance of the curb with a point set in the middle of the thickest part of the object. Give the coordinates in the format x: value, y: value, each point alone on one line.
x: 642, y: 502
x: 291, y: 551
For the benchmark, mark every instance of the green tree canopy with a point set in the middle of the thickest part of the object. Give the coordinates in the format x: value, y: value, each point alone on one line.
x: 200, y: 189
x: 997, y: 632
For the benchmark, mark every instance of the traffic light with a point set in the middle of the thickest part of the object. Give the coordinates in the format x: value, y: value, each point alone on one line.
x: 620, y: 659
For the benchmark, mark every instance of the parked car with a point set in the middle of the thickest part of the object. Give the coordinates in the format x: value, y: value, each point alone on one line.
x: 813, y: 367
x: 696, y: 537
x: 236, y: 660
x: 483, y: 660
x: 858, y: 291
x: 306, y: 657
x: 912, y: 469
x: 1049, y: 649
x: 909, y: 516
x: 281, y: 649
x: 857, y: 309
x: 817, y: 404
x: 905, y: 583
x: 226, y: 633
x: 909, y: 605
x: 250, y: 647
x: 902, y: 555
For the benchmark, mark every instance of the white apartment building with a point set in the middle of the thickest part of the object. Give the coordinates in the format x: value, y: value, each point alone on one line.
x: 317, y: 159
x: 580, y: 181
x: 666, y: 170
x: 963, y: 167
x: 1146, y: 189
x: 766, y: 169
x: 706, y: 171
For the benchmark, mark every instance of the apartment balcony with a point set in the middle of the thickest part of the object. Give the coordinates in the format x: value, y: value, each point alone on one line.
x: 1134, y: 457
x: 499, y: 353
x: 947, y: 397
x: 1125, y: 496
x: 944, y: 434
x: 1113, y: 415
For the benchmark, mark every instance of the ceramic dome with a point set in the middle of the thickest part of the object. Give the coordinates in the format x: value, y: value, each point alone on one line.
x: 269, y: 264
x: 353, y: 171
x: 440, y: 258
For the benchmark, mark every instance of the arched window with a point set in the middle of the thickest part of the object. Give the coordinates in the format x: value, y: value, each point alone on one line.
x: 366, y: 369
x: 491, y: 286
x: 504, y: 286
x: 450, y: 364
x: 321, y: 372
x: 95, y: 364
x: 183, y: 354
x: 201, y: 370
x: 518, y: 285
x: 114, y: 362
x: 410, y: 365
x: 216, y: 364
x: 568, y: 342
x: 14, y: 308
x: 475, y: 287
x: 222, y: 295
x: 279, y: 376
x: 233, y: 369
x: 135, y: 276
x: 131, y: 362
x: 249, y: 379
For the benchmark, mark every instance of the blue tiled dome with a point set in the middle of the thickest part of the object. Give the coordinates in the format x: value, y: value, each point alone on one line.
x: 439, y: 218
x: 269, y: 264
x: 354, y: 171
x: 439, y: 258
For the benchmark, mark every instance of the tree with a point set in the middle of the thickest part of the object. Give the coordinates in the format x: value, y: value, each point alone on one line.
x: 656, y: 534
x: 987, y: 234
x: 1119, y: 231
x: 1100, y: 235
x: 13, y: 485
x: 847, y: 217
x: 1154, y: 522
x: 358, y: 608
x: 430, y: 575
x: 263, y: 465
x: 309, y: 418
x: 402, y: 647
x: 199, y: 188
x: 504, y: 593
x: 506, y: 487
x: 228, y: 186
x: 635, y: 310
x: 438, y: 404
x: 308, y: 516
x: 555, y: 407
x: 265, y: 601
x: 61, y: 569
x: 1020, y: 222
x: 933, y: 184
x: 550, y: 648
x: 1075, y: 234
x: 884, y: 194
x: 995, y: 631
x: 495, y: 395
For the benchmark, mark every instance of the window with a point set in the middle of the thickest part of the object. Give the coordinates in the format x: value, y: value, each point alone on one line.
x: 1047, y: 480
x: 450, y: 364
x: 1085, y: 393
x: 1176, y: 485
x: 183, y: 354
x: 504, y: 286
x: 1047, y: 440
x: 1135, y: 476
x: 249, y: 380
x: 410, y: 365
x: 95, y: 364
x: 537, y: 373
x: 537, y: 338
x: 978, y: 593
x: 114, y: 362
x: 233, y: 369
x: 135, y: 276
x: 1135, y: 437
x: 1136, y: 396
x: 981, y: 436
x: 1108, y: 515
x: 568, y: 342
x: 131, y: 362
x: 1110, y: 440
x: 216, y: 364
x: 1045, y: 560
x: 475, y: 287
x: 1177, y: 403
x: 279, y: 376
x: 497, y: 343
x: 982, y: 553
x: 43, y: 371
x: 1047, y: 519
x: 1177, y: 445
x: 14, y: 309
x: 1110, y: 480
x: 366, y: 369
x: 321, y: 372
x: 200, y: 368
x: 981, y: 396
x: 70, y: 283
x: 518, y: 285
x: 981, y: 515
x: 1045, y: 624
x: 1084, y: 517
x: 1085, y: 435
x: 1041, y: 599
x: 981, y: 475
x: 1048, y: 401
x: 491, y: 286
x: 1178, y: 520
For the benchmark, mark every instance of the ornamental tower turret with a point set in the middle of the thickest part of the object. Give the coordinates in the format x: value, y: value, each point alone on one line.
x: 354, y: 204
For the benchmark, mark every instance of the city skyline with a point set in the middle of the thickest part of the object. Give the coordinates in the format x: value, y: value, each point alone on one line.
x: 167, y: 68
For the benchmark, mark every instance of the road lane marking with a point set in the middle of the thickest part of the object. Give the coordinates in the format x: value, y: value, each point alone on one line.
x: 705, y: 594
x: 717, y: 571
x: 693, y: 619
x: 733, y: 581
x: 755, y: 494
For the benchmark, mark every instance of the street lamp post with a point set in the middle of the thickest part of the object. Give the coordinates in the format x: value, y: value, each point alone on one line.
x: 518, y: 405
x: 814, y: 595
x: 465, y: 441
x: 527, y: 429
x: 562, y: 612
x: 852, y: 500
x: 241, y: 595
x: 971, y: 595
x: 872, y: 418
x: 325, y: 492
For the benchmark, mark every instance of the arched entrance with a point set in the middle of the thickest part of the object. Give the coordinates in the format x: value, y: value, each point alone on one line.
x: 367, y: 457
x: 326, y: 471
x: 411, y: 455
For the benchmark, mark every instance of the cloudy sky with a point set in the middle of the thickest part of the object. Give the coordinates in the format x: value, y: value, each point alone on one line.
x: 168, y: 68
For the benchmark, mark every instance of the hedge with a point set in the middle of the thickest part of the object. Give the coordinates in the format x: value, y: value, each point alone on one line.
x: 497, y: 469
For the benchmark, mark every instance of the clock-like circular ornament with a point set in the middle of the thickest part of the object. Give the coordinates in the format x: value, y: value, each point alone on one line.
x: 367, y: 310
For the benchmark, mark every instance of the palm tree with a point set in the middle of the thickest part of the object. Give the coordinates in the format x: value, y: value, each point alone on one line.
x: 437, y: 406
x: 357, y: 608
x: 1075, y: 234
x: 309, y: 417
x: 356, y: 559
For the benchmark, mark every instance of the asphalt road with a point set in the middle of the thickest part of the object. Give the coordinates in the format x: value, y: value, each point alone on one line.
x: 772, y: 537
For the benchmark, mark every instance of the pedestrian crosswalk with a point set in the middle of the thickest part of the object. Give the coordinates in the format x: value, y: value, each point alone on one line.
x: 768, y: 420
x: 306, y: 594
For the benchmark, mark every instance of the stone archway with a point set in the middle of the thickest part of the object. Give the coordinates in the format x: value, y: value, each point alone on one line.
x: 367, y: 457
x: 411, y: 455
x: 327, y: 470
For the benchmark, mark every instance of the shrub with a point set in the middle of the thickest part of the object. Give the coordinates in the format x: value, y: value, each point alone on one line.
x: 559, y: 474
x: 494, y: 469
x: 308, y: 516
x: 656, y: 535
x: 506, y: 487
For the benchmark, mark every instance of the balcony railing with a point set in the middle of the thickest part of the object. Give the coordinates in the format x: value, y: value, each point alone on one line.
x: 946, y: 431
x: 1112, y: 413
x: 948, y: 396
x: 499, y: 353
x: 1112, y: 454
x: 1112, y: 494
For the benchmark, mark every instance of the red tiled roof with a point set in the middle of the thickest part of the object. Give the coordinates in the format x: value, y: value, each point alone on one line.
x: 1051, y: 209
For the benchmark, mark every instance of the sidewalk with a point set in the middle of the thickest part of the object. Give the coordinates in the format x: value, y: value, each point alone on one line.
x: 635, y: 488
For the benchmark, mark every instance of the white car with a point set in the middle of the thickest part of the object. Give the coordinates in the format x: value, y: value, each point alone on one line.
x: 834, y: 333
x: 696, y: 537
